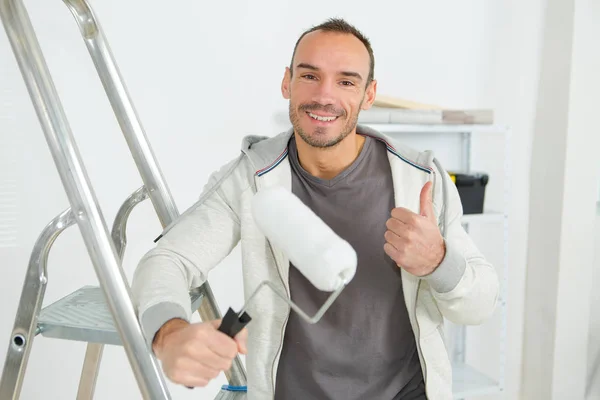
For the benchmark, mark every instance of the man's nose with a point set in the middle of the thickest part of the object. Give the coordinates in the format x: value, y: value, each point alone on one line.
x: 325, y: 92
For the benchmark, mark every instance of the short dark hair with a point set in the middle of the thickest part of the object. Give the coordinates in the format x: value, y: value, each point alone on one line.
x: 339, y: 25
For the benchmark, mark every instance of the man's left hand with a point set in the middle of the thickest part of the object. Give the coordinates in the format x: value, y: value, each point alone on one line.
x: 414, y: 241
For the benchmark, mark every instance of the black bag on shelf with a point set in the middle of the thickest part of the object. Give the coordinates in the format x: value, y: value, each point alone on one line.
x: 471, y: 189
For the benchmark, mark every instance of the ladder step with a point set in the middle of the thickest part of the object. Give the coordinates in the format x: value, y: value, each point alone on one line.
x: 84, y: 316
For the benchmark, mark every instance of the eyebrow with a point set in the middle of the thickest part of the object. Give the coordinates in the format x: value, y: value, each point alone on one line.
x: 344, y: 73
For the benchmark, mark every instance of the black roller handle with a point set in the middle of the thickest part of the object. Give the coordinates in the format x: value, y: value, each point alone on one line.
x: 232, y: 324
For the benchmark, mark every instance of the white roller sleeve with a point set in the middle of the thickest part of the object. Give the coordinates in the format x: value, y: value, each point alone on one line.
x: 323, y: 257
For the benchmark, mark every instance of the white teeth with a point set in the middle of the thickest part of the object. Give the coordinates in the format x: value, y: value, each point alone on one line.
x: 319, y: 118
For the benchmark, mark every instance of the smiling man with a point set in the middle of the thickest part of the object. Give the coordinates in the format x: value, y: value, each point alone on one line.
x: 329, y: 81
x: 383, y: 337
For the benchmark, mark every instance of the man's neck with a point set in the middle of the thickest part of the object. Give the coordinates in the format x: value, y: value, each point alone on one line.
x: 327, y: 163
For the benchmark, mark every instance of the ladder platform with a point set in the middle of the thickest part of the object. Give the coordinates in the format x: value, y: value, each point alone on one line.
x: 84, y: 316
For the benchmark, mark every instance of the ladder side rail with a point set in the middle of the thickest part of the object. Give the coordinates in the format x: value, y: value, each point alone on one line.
x: 140, y: 148
x: 93, y: 353
x: 30, y: 305
x: 82, y: 199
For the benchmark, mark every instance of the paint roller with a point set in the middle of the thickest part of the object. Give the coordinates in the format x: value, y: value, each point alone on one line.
x: 323, y: 257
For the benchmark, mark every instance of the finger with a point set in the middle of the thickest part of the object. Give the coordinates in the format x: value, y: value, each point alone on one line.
x: 222, y: 345
x: 393, y: 239
x: 401, y: 257
x: 241, y: 340
x: 399, y: 244
x: 398, y: 227
x: 404, y: 215
x: 204, y: 372
x: 223, y: 341
x: 189, y: 372
x: 206, y: 356
x: 392, y: 252
x: 427, y: 201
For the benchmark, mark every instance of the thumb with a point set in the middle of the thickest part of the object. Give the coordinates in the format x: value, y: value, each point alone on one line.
x: 242, y: 338
x: 427, y: 202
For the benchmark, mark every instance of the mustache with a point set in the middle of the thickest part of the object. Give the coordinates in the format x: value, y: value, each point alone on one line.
x: 330, y: 109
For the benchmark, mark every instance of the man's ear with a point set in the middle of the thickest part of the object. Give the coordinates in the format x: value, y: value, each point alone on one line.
x: 370, y: 95
x: 285, y: 83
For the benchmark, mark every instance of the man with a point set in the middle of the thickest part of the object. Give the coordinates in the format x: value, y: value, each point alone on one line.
x: 383, y: 337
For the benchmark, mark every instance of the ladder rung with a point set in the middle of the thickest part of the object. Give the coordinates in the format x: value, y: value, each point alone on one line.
x: 84, y: 316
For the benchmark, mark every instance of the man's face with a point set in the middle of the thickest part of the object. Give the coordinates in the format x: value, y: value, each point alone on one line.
x: 327, y: 88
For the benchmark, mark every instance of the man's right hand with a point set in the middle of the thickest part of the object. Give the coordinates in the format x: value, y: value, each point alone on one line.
x: 194, y: 354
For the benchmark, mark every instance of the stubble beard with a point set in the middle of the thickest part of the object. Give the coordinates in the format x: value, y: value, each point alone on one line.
x: 318, y: 139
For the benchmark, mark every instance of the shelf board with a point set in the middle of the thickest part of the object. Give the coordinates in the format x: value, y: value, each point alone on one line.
x: 487, y: 216
x: 468, y: 382
x: 435, y: 128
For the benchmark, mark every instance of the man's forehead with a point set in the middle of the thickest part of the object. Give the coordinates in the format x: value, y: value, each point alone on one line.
x: 332, y: 49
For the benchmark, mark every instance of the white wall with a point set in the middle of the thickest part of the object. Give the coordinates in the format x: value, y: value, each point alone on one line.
x: 209, y: 71
x: 562, y: 223
x: 511, y: 90
x: 548, y: 163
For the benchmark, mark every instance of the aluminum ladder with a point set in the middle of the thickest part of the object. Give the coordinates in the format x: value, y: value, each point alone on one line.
x: 96, y: 315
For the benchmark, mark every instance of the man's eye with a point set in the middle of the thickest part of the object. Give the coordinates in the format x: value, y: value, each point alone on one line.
x: 347, y: 83
x: 309, y: 76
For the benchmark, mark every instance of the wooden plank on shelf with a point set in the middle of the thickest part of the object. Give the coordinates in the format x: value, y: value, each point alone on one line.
x: 382, y: 100
x: 387, y: 115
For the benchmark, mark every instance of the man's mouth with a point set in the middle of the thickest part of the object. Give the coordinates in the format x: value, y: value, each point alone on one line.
x: 322, y: 118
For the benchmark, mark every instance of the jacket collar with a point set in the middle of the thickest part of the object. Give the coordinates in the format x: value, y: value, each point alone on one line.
x: 266, y: 153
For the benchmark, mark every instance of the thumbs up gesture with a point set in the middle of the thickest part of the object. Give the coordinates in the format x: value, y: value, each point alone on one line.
x: 414, y: 241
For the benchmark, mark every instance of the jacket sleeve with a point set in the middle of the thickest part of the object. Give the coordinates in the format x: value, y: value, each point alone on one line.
x: 185, y: 253
x: 465, y: 285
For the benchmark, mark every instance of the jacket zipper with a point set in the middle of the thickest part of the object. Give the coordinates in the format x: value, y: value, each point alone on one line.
x: 418, y: 339
x: 419, y: 349
x: 282, y: 334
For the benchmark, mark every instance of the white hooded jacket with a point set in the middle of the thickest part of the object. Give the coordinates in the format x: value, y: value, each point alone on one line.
x: 463, y: 289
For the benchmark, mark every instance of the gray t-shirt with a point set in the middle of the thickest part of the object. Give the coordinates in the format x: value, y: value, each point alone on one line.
x: 363, y: 348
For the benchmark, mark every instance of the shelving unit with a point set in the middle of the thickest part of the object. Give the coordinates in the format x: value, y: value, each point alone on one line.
x: 437, y: 128
x: 469, y: 381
